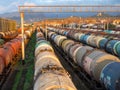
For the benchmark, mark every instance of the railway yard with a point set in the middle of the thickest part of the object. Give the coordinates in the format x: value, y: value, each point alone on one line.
x: 72, y: 53
x: 60, y: 57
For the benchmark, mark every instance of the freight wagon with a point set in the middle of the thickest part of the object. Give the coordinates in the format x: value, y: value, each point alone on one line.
x: 99, y: 65
x: 9, y: 53
x: 105, y: 42
x: 49, y: 73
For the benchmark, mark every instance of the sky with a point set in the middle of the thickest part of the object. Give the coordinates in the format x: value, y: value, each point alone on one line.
x: 12, y: 5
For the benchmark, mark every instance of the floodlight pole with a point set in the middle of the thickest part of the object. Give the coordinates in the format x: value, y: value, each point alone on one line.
x: 23, y: 44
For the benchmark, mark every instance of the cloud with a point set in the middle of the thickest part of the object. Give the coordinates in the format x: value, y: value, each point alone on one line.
x: 2, y: 8
x: 29, y: 3
x: 10, y: 8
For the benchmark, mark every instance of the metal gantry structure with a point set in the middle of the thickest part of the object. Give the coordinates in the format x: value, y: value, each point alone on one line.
x: 62, y: 9
x: 70, y: 8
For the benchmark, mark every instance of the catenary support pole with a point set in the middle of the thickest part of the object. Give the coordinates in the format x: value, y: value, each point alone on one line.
x: 23, y: 44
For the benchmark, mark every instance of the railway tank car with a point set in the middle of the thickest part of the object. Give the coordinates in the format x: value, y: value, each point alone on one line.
x: 8, y: 34
x: 49, y: 73
x: 110, y: 45
x: 9, y: 50
x: 99, y: 65
x: 1, y: 42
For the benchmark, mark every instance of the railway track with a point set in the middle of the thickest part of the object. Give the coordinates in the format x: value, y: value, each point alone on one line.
x: 11, y: 73
x: 4, y: 78
x: 81, y: 80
